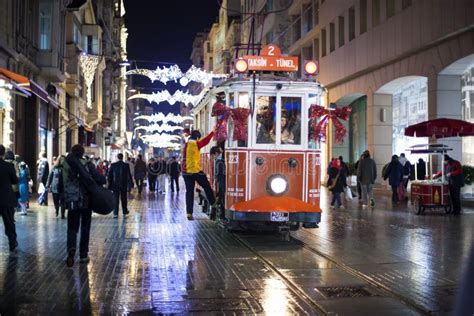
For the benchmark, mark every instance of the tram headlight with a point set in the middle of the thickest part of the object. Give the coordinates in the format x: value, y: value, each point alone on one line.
x: 277, y: 184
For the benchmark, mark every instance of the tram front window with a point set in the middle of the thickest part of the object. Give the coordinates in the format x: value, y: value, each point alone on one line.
x: 266, y: 107
x: 290, y: 121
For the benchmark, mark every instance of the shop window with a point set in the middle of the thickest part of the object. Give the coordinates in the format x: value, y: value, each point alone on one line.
x: 45, y: 24
x: 363, y: 16
x: 316, y: 13
x: 265, y: 122
x: 290, y: 121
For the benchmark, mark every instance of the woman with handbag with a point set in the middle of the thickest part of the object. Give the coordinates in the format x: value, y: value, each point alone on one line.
x: 336, y: 182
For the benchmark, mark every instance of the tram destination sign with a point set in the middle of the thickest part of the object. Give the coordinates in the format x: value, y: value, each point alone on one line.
x: 272, y: 60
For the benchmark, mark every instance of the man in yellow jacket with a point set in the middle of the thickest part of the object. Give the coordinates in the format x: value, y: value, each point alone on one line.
x: 192, y: 171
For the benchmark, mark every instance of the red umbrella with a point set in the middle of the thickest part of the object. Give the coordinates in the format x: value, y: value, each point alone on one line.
x: 441, y: 128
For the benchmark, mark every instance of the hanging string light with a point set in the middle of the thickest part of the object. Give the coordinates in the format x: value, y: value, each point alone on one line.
x: 173, y: 73
x: 165, y: 96
x: 89, y: 65
x: 160, y: 117
x: 164, y: 128
x: 155, y: 138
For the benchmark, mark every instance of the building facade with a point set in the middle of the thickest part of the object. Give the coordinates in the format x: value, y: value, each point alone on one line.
x: 61, y: 82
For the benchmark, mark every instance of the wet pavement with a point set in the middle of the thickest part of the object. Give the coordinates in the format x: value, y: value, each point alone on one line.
x: 386, y: 261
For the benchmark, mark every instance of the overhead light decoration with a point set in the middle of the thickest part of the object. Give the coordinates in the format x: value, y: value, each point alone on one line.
x: 89, y: 65
x: 173, y: 73
x: 160, y: 117
x: 164, y: 128
x: 165, y: 96
x: 160, y: 138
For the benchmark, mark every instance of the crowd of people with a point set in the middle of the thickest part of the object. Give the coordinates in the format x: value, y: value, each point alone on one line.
x: 398, y: 172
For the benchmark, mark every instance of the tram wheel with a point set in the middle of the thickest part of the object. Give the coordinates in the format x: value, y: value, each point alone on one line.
x: 295, y: 226
x: 418, y: 205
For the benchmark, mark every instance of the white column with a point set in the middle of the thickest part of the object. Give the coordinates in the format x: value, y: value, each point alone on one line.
x: 448, y: 105
x: 380, y: 126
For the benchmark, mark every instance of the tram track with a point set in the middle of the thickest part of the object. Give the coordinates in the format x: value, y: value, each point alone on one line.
x: 371, y: 281
x: 298, y: 291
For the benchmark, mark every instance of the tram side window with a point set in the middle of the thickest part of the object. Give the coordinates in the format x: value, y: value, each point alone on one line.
x: 290, y: 121
x: 266, y: 111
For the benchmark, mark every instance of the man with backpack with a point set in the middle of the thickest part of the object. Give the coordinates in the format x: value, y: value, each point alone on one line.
x: 78, y: 175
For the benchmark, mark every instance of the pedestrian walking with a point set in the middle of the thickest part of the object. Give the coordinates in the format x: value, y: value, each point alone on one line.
x: 174, y: 170
x: 119, y: 177
x: 161, y: 168
x: 454, y: 175
x: 219, y: 176
x: 10, y: 158
x: 77, y: 202
x: 366, y: 175
x: 421, y: 169
x: 55, y: 186
x: 42, y: 176
x: 131, y: 166
x: 406, y: 170
x: 140, y: 173
x: 359, y: 188
x: 23, y: 179
x: 337, y: 182
x: 192, y: 172
x: 394, y: 174
x: 101, y: 168
x: 152, y: 175
x: 9, y: 199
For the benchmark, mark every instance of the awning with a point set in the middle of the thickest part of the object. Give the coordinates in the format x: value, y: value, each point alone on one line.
x: 29, y: 85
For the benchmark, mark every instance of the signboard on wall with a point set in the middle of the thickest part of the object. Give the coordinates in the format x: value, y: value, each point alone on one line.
x: 271, y: 59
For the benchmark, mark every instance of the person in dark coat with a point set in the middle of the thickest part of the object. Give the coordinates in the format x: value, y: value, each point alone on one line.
x: 366, y: 175
x: 174, y: 170
x: 454, y: 175
x: 359, y: 188
x: 9, y: 199
x: 43, y: 174
x: 394, y: 174
x: 55, y: 185
x: 220, y: 178
x: 421, y: 169
x: 140, y: 173
x: 337, y: 182
x: 152, y: 175
x: 161, y: 167
x: 119, y: 177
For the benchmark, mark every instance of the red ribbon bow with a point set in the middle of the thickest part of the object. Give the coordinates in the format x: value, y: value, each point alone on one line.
x: 317, y: 111
x: 239, y: 117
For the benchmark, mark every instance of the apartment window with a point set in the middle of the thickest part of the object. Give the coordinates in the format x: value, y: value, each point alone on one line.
x: 307, y: 18
x: 375, y: 12
x: 332, y: 37
x: 208, y: 47
x: 390, y: 8
x: 45, y: 20
x: 341, y: 31
x: 296, y: 28
x: 323, y: 44
x: 91, y: 45
x: 316, y: 12
x: 352, y: 23
x: 316, y: 49
x: 406, y: 4
x: 363, y: 16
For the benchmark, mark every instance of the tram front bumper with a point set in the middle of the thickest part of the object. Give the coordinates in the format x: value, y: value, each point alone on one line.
x: 302, y: 217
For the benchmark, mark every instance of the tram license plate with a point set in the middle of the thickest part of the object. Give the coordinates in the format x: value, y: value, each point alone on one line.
x: 279, y: 217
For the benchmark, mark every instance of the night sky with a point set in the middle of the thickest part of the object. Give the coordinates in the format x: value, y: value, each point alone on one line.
x: 163, y: 32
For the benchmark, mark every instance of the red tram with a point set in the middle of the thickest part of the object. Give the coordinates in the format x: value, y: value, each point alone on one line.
x: 273, y: 173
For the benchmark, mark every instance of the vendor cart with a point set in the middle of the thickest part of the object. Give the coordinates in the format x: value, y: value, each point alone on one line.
x: 430, y: 193
x: 434, y: 193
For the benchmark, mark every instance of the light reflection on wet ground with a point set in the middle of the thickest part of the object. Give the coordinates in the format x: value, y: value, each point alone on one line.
x: 156, y: 261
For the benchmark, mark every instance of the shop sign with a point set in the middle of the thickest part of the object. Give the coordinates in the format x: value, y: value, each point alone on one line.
x: 272, y: 60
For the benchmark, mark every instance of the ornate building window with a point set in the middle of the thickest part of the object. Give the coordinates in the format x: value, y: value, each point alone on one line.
x: 45, y: 24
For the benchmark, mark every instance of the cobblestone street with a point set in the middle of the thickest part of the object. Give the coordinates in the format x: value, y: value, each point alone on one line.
x: 383, y: 262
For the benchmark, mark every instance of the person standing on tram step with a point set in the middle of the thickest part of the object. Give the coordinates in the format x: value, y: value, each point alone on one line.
x: 366, y: 175
x: 394, y: 174
x: 219, y: 178
x: 55, y: 185
x: 192, y: 172
x: 174, y: 170
x: 9, y: 199
x: 454, y: 175
x: 140, y: 173
x: 43, y: 173
x: 119, y: 177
